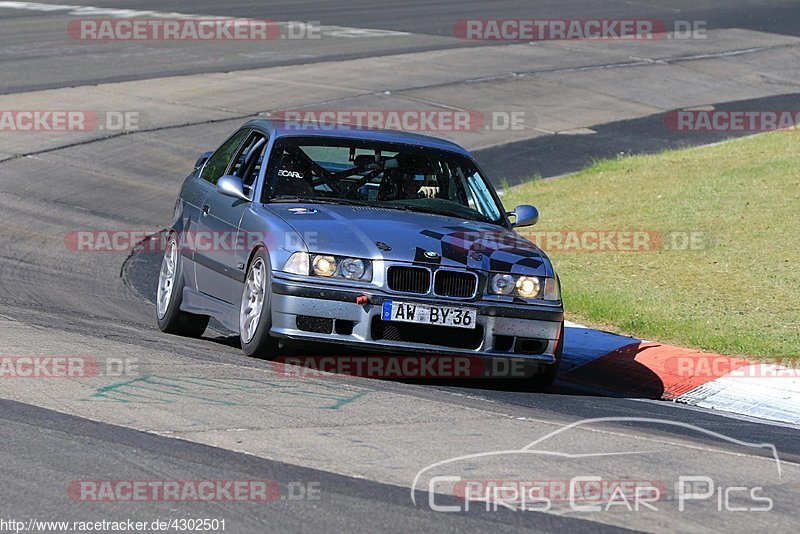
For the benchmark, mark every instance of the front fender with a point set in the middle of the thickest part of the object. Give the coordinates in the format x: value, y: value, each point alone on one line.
x: 272, y: 233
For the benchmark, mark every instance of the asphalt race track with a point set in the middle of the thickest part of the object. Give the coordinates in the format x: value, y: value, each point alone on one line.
x: 35, y: 50
x: 194, y: 410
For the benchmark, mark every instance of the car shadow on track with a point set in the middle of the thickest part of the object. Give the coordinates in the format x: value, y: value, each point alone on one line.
x: 618, y: 374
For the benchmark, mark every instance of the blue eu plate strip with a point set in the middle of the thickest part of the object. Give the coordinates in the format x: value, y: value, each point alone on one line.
x: 386, y: 315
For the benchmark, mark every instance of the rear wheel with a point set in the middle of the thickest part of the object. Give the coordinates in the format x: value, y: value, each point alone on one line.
x: 169, y: 295
x: 255, y: 312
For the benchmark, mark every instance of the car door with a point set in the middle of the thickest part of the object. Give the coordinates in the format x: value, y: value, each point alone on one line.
x: 220, y: 272
x: 187, y: 213
x: 198, y: 239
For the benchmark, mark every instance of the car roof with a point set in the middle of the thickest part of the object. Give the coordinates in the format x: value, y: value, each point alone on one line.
x: 351, y: 132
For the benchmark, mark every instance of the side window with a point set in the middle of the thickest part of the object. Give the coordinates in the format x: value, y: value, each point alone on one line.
x: 218, y: 162
x: 241, y: 156
x: 249, y: 159
x: 254, y: 167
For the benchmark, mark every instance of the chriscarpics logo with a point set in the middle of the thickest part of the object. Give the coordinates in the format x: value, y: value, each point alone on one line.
x: 606, y: 465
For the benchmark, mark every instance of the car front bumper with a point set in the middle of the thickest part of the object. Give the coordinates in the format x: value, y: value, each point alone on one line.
x: 308, y: 311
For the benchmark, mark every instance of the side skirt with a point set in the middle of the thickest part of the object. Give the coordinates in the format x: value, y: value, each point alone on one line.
x: 202, y: 304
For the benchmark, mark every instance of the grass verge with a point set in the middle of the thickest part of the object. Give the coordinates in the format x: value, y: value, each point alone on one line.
x: 736, y: 291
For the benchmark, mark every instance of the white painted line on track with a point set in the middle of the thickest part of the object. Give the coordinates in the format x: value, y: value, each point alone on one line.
x: 122, y: 13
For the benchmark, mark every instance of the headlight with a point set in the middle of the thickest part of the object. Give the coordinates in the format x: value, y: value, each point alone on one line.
x: 324, y: 265
x: 528, y: 286
x: 352, y: 268
x: 297, y: 263
x: 340, y: 267
x: 502, y: 284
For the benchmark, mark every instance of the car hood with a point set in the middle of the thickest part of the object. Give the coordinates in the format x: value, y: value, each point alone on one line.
x: 406, y: 236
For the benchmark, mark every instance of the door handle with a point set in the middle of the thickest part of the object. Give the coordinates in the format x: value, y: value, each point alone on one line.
x: 205, y: 209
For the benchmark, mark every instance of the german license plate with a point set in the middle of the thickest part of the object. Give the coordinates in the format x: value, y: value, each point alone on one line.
x: 408, y: 312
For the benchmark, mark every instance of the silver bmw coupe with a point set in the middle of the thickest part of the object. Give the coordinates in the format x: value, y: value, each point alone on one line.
x: 368, y: 239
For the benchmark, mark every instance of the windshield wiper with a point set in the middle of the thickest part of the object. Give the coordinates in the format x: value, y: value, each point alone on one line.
x: 446, y: 213
x: 318, y: 200
x: 386, y: 205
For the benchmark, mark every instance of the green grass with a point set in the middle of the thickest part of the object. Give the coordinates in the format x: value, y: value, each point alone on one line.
x: 739, y: 295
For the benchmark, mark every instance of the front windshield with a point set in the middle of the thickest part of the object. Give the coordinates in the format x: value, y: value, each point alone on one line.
x: 379, y: 174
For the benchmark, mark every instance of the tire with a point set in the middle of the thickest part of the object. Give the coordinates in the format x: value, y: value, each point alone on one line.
x: 169, y: 295
x: 545, y: 378
x: 255, y: 312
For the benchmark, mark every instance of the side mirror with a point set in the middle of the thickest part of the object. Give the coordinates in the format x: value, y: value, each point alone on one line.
x: 524, y: 215
x: 232, y: 186
x: 202, y: 159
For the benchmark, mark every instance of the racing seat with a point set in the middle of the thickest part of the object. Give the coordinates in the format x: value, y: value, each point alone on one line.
x: 293, y: 178
x: 392, y: 186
